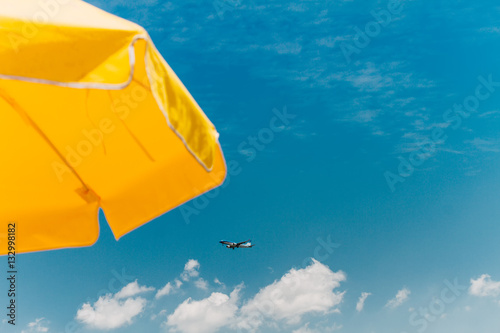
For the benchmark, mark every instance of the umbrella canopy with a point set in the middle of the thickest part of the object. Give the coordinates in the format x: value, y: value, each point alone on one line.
x: 91, y: 116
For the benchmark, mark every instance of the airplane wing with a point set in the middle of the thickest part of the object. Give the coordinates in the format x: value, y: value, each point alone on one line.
x: 238, y: 244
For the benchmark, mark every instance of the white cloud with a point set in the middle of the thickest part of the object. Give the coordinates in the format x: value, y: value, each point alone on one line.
x: 329, y: 329
x: 365, y: 116
x: 335, y: 327
x: 109, y: 313
x: 39, y: 325
x: 190, y: 269
x: 286, y: 48
x: 401, y: 296
x: 201, y: 284
x: 484, y: 286
x: 304, y: 329
x: 302, y: 291
x: 330, y: 41
x: 361, y: 301
x: 297, y: 7
x: 205, y: 316
x: 217, y: 281
x: 383, y: 77
x: 114, y: 311
x: 490, y: 29
x: 486, y: 145
x: 132, y: 289
x: 168, y: 288
x: 489, y: 114
x: 161, y: 313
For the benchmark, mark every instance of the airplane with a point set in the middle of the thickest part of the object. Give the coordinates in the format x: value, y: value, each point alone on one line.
x: 232, y: 245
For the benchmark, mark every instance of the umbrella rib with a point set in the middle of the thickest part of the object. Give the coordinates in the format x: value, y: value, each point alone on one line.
x: 16, y: 107
x: 141, y: 84
x: 137, y: 141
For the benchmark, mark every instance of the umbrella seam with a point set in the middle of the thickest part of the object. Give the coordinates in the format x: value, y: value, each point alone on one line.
x: 134, y: 137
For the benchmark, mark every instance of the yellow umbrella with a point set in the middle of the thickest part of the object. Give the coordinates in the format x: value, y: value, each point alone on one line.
x: 91, y: 116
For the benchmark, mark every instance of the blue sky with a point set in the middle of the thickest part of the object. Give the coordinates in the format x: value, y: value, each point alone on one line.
x: 386, y: 172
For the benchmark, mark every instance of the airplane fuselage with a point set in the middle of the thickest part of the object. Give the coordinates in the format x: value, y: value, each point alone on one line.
x: 233, y: 245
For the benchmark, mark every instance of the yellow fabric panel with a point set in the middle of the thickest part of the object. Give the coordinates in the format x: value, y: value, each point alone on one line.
x: 182, y: 111
x: 71, y: 52
x: 48, y: 213
x: 66, y: 13
x: 63, y: 41
x: 63, y: 55
x: 136, y: 150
